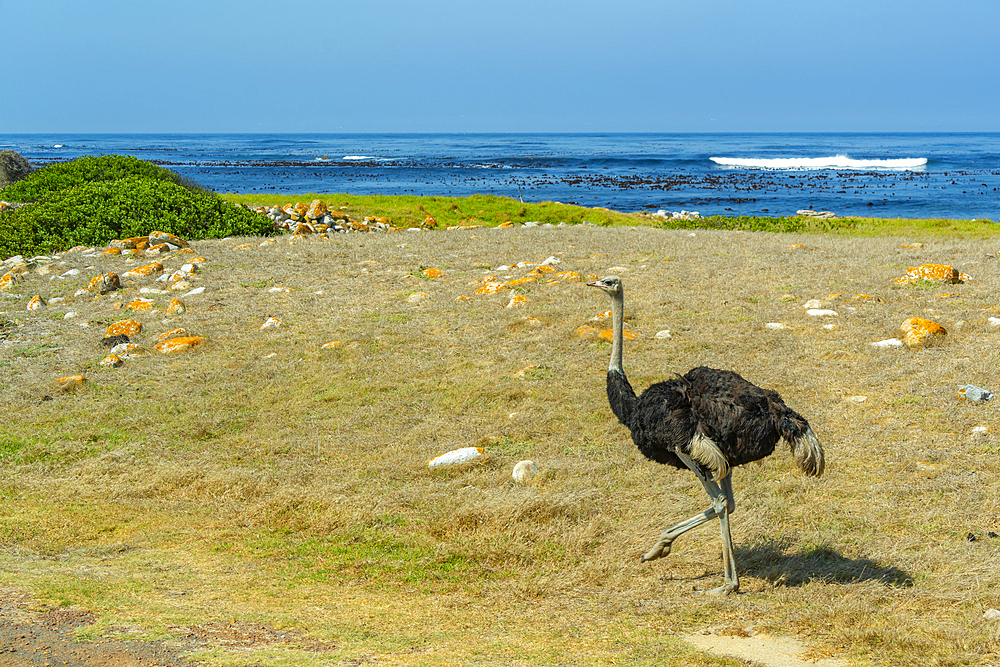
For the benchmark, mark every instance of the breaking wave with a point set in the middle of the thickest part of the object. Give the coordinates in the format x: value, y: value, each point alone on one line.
x: 810, y: 163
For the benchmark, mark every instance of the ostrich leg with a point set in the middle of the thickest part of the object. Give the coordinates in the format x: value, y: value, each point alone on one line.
x: 723, y: 502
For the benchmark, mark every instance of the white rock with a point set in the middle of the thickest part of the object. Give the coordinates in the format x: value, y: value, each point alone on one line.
x: 550, y: 261
x: 889, y: 342
x: 821, y: 312
x: 456, y: 456
x: 829, y: 327
x: 980, y: 430
x: 857, y: 399
x: 995, y: 321
x: 524, y: 472
x: 70, y: 273
x: 776, y: 325
x: 278, y: 289
x: 196, y: 291
x: 662, y: 334
x: 992, y: 614
x: 813, y: 303
x: 271, y: 323
x: 70, y: 315
x: 617, y: 269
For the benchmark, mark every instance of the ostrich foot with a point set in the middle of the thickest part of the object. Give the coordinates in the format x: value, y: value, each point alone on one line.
x: 659, y: 550
x: 719, y: 591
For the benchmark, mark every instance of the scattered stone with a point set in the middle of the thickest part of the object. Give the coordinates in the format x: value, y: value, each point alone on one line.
x: 123, y: 327
x: 516, y: 299
x: 934, y: 272
x: 143, y: 271
x: 271, y: 323
x: 332, y: 344
x: 104, y: 283
x: 821, y: 312
x: 35, y: 303
x: 524, y: 472
x: 677, y: 215
x: 776, y: 325
x: 456, y: 456
x: 665, y: 333
x: 973, y: 394
x: 809, y: 213
x: 195, y: 292
x: 918, y: 332
x: 991, y: 614
x: 178, y: 344
x: 112, y: 341
x: 176, y: 307
x: 417, y: 297
x: 70, y: 382
x: 112, y: 361
x: 889, y: 342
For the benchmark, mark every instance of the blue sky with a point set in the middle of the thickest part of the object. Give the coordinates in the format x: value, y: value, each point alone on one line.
x: 511, y: 66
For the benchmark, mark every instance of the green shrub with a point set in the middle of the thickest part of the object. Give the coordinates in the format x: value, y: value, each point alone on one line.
x: 13, y: 167
x: 95, y: 213
x: 87, y: 169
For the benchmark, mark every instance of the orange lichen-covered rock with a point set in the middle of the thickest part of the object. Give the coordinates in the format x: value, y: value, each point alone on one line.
x: 332, y: 344
x: 70, y: 382
x: 569, y: 275
x: 129, y: 243
x: 176, y: 307
x: 9, y: 279
x: 491, y: 288
x: 104, y: 283
x: 143, y: 271
x: 429, y: 221
x: 111, y: 251
x: 140, y: 305
x: 271, y: 323
x: 158, y: 249
x: 156, y: 238
x: 918, y: 332
x: 317, y: 209
x: 173, y: 333
x: 123, y: 328
x: 178, y: 344
x: 112, y: 361
x: 539, y: 270
x: 516, y: 299
x: 521, y: 281
x: 942, y: 272
x: 585, y: 331
x: 609, y: 334
x: 35, y: 303
x: 433, y: 273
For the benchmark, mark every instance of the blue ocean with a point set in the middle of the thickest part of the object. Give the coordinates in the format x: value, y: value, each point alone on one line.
x: 882, y: 175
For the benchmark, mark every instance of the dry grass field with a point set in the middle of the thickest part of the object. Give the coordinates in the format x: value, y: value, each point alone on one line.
x: 271, y: 499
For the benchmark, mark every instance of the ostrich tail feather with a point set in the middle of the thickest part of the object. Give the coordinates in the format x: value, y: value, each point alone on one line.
x: 808, y: 453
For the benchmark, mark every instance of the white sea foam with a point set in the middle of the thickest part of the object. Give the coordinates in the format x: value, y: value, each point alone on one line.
x: 810, y: 163
x: 358, y: 157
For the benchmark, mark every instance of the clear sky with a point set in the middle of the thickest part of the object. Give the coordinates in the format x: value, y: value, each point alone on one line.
x: 501, y: 66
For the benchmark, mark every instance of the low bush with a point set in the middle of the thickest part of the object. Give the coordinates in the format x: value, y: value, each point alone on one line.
x: 95, y: 213
x: 87, y: 169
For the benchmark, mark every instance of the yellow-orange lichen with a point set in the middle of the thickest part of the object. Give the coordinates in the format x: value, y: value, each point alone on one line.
x: 918, y: 332
x: 942, y: 272
x: 123, y: 328
x: 609, y: 334
x: 178, y: 344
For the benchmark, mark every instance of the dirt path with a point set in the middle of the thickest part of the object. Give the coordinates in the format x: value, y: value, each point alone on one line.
x: 33, y: 638
x: 759, y: 649
x: 29, y: 638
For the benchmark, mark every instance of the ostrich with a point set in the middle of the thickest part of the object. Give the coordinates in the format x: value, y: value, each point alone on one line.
x: 707, y: 421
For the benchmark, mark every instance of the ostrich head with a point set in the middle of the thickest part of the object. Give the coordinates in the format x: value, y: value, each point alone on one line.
x: 612, y: 285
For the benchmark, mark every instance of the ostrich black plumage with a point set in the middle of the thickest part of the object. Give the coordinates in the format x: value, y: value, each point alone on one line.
x: 708, y: 421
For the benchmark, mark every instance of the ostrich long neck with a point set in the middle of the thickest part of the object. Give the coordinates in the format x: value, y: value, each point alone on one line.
x: 618, y: 328
x: 621, y: 396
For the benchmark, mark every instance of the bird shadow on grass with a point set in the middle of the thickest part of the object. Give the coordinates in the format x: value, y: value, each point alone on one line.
x: 777, y: 561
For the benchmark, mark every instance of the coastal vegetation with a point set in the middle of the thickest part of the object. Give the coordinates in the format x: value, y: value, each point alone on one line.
x: 93, y: 200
